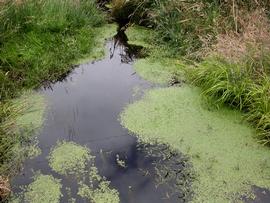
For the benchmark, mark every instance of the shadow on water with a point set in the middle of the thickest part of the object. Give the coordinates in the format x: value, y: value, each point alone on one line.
x: 84, y: 107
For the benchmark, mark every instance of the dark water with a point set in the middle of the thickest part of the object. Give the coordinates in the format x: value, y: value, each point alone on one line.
x: 85, y: 108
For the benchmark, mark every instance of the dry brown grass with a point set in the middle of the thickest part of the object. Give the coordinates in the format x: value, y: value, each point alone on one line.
x: 4, y: 188
x: 252, y: 39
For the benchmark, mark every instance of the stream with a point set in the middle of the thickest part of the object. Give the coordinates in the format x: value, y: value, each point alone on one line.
x: 84, y: 107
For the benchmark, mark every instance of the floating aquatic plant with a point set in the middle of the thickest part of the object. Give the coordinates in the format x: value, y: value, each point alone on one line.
x: 226, y: 157
x: 101, y: 194
x: 44, y: 189
x: 69, y: 158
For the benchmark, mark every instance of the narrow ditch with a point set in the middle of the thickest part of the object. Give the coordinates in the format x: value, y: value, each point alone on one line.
x: 84, y: 108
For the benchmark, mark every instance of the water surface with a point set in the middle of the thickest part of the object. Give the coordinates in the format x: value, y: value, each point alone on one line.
x: 84, y: 107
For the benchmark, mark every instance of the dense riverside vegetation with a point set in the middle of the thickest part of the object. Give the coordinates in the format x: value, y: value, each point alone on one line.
x: 39, y: 41
x: 222, y: 47
x: 225, y: 45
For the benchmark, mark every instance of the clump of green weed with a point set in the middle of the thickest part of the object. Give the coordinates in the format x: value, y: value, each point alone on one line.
x: 68, y: 158
x: 101, y: 194
x: 222, y: 148
x: 45, y: 189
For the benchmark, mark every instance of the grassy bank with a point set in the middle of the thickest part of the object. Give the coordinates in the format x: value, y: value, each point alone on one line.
x: 39, y: 42
x: 40, y: 39
x: 221, y: 146
x: 224, y: 48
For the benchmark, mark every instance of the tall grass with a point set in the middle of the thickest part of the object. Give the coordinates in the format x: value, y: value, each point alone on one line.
x: 39, y: 39
x: 230, y: 39
x: 186, y: 27
x: 239, y: 86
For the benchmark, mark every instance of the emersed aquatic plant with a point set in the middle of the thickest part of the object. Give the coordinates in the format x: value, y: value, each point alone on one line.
x: 44, y: 189
x: 226, y: 158
x: 69, y: 158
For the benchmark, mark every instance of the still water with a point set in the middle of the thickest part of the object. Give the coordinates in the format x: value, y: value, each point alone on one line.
x: 84, y: 108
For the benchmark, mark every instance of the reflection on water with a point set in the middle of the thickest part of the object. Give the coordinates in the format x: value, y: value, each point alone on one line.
x: 84, y: 108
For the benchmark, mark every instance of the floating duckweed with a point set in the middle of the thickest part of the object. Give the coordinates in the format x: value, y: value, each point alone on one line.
x: 226, y: 157
x: 138, y: 35
x: 100, y: 195
x: 44, y: 189
x: 33, y: 107
x: 69, y: 158
x: 26, y: 116
x: 156, y: 68
x: 93, y: 175
x: 158, y: 71
x: 99, y: 50
x: 33, y: 151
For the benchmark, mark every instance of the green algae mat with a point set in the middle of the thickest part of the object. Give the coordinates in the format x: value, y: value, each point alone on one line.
x: 69, y: 158
x: 226, y: 158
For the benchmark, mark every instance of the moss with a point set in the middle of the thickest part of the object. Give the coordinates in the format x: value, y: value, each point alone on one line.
x: 99, y: 50
x: 100, y: 195
x: 226, y: 157
x: 69, y: 158
x: 44, y: 189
